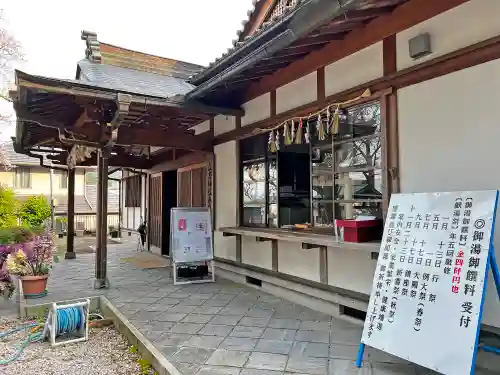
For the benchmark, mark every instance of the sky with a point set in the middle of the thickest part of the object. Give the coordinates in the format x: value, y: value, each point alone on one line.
x: 196, y: 31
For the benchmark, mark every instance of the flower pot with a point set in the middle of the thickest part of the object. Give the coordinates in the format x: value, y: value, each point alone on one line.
x: 34, y: 286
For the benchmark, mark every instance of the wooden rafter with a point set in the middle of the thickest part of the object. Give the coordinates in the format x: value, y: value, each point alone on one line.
x: 401, y: 18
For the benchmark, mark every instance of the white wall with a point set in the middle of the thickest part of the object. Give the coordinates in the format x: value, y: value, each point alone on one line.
x: 455, y: 116
x: 255, y: 253
x: 356, y: 69
x: 295, y: 261
x: 226, y: 198
x: 257, y: 109
x: 223, y: 124
x: 202, y: 128
x: 467, y: 24
x: 296, y: 93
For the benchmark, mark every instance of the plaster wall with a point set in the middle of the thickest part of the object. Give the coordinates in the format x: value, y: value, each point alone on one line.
x: 456, y: 157
x: 296, y: 93
x: 257, y: 109
x: 467, y: 24
x: 356, y: 69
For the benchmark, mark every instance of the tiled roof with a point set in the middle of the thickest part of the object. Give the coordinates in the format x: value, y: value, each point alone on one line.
x: 276, y: 11
x: 279, y: 10
x: 132, y: 81
x: 117, y: 56
x: 18, y: 159
x: 113, y: 198
x: 130, y: 71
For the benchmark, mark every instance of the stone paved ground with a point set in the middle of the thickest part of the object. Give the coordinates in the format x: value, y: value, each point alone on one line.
x: 224, y: 328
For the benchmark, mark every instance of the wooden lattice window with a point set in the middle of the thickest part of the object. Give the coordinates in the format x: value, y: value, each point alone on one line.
x: 281, y: 7
x: 133, y: 187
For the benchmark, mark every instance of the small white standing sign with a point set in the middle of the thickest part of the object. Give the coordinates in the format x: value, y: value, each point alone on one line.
x: 427, y: 291
x: 191, y: 239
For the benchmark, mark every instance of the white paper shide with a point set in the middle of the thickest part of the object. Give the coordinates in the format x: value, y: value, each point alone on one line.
x: 428, y: 285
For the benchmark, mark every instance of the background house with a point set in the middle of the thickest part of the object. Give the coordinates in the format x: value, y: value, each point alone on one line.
x: 28, y: 178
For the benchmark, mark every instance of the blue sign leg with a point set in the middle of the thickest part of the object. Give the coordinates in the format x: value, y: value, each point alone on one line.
x: 494, y: 270
x: 361, y: 352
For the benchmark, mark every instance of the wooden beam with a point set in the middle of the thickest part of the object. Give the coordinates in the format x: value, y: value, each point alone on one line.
x: 262, y: 239
x: 308, y: 246
x: 260, y: 12
x: 86, y: 90
x: 389, y: 55
x: 272, y: 103
x: 23, y: 114
x: 179, y: 162
x: 403, y: 17
x: 164, y: 138
x: 463, y: 58
x: 320, y: 84
x: 198, y: 107
x: 82, y: 119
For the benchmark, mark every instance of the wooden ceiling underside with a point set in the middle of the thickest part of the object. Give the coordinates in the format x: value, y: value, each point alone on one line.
x: 45, y: 115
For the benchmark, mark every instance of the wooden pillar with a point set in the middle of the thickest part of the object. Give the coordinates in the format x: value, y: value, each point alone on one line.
x: 101, y: 280
x: 70, y: 245
x: 120, y: 207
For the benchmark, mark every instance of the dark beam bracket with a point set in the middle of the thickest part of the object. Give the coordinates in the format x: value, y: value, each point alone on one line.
x: 262, y: 239
x: 308, y: 246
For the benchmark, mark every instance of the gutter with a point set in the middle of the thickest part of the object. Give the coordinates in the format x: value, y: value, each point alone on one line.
x: 19, y: 150
x: 299, y: 23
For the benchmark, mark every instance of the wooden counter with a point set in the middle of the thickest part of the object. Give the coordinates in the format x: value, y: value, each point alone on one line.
x: 307, y: 239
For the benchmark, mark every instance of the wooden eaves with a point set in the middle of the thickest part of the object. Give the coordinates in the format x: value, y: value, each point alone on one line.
x: 59, y: 113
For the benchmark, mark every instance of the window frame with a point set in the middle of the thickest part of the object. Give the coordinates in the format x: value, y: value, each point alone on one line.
x: 336, y: 170
x: 63, y: 179
x: 20, y: 174
x: 265, y: 160
x: 380, y: 169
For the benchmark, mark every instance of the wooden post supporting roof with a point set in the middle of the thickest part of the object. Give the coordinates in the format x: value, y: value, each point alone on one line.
x: 70, y: 245
x: 101, y: 279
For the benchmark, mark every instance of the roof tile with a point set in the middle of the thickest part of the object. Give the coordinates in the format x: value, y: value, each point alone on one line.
x: 133, y: 81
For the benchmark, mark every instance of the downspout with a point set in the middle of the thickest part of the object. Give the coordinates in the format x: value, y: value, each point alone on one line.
x: 305, y: 19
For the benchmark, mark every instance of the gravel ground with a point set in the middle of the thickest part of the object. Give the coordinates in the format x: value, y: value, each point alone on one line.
x: 105, y: 353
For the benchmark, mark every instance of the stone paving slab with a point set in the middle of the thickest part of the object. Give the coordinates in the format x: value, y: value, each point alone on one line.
x: 224, y: 328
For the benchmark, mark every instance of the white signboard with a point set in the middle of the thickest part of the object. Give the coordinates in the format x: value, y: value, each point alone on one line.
x: 428, y: 286
x: 191, y: 235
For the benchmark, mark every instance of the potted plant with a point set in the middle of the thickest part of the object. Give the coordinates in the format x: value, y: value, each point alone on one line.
x: 33, y: 267
x: 113, y: 232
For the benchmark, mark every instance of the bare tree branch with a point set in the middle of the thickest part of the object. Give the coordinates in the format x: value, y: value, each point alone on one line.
x: 10, y: 54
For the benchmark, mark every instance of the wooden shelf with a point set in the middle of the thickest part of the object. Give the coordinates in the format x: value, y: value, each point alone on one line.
x: 307, y: 239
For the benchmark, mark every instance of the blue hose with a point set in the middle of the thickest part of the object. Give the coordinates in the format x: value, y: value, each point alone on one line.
x: 68, y: 320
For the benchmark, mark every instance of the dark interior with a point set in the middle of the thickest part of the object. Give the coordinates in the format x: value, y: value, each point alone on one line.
x: 294, y: 171
x: 169, y: 194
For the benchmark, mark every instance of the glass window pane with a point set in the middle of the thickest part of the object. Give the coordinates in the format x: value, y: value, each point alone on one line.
x: 359, y: 121
x: 363, y: 153
x: 254, y: 193
x: 254, y: 147
x: 323, y: 215
x: 353, y: 210
x: 272, y: 213
x: 358, y: 185
x: 322, y: 187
